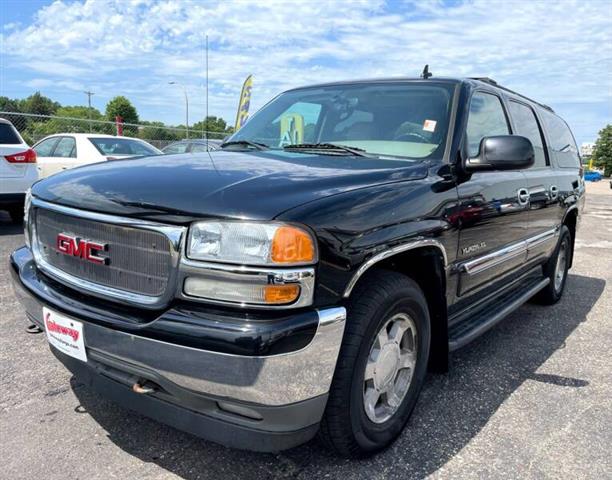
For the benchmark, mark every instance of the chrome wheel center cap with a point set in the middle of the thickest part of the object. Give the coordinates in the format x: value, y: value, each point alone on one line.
x: 387, y: 365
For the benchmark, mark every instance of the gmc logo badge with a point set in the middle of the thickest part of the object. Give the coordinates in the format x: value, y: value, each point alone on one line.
x: 85, y: 249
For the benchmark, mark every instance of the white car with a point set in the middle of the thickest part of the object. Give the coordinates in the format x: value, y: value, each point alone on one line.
x: 17, y: 170
x: 67, y: 150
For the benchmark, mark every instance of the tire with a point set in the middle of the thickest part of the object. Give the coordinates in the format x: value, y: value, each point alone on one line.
x: 553, y: 292
x: 381, y: 298
x: 16, y: 214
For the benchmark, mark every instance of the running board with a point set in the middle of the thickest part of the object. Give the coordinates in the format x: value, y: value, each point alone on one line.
x: 471, y: 326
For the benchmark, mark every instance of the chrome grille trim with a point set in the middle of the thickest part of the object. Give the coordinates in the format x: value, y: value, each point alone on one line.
x: 174, y: 234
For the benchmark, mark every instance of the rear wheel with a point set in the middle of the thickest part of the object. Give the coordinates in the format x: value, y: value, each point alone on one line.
x: 556, y: 270
x: 381, y: 366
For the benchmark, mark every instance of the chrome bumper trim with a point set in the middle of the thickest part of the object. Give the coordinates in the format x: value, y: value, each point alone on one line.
x: 267, y: 380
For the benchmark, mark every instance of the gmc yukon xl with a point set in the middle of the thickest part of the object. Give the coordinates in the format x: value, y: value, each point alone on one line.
x: 305, y: 277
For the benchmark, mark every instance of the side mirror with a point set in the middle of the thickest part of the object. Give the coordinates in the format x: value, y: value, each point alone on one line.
x: 503, y: 152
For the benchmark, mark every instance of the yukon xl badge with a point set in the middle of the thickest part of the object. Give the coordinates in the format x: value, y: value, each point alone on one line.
x: 473, y: 248
x: 85, y: 249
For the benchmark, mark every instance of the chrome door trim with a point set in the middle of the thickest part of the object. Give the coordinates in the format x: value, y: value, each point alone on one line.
x: 542, y: 238
x: 419, y: 243
x: 494, y: 258
x: 509, y: 252
x: 174, y: 234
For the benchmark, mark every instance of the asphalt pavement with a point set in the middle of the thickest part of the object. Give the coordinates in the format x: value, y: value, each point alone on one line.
x: 532, y: 398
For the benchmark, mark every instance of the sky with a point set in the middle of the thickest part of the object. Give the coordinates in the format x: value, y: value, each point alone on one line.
x: 556, y: 52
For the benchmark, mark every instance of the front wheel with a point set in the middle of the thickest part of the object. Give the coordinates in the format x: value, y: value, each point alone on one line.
x: 381, y: 367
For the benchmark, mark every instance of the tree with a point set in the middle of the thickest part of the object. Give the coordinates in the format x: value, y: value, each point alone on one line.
x: 11, y: 105
x: 215, y: 125
x: 156, y: 133
x: 78, y: 111
x: 122, y: 107
x: 602, y: 153
x: 38, y: 104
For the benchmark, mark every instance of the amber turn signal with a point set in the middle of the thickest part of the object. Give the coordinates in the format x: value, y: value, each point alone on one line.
x: 278, y: 294
x: 292, y: 245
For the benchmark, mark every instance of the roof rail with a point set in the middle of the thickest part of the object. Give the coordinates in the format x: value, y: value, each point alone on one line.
x: 490, y: 81
x: 484, y: 79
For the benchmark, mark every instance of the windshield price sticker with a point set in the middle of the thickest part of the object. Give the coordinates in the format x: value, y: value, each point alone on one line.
x: 429, y: 125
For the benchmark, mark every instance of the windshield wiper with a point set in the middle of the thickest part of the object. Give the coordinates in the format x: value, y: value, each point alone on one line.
x: 358, y: 152
x: 245, y: 143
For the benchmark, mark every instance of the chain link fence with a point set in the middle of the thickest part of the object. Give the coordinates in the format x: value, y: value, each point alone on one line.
x: 34, y: 127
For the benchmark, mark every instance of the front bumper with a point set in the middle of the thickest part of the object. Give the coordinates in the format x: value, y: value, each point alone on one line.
x: 280, y: 397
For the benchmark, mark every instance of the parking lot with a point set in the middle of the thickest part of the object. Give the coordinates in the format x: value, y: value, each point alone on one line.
x: 530, y: 399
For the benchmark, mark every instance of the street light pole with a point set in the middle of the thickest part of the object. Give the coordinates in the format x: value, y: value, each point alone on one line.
x: 186, y: 107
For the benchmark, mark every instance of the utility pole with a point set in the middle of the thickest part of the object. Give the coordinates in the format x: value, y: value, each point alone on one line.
x: 89, y: 95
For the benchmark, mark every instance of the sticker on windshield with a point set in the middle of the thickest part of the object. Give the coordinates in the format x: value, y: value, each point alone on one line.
x: 429, y: 125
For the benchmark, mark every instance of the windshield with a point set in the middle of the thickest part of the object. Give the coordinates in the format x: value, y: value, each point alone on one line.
x: 407, y: 120
x: 122, y: 146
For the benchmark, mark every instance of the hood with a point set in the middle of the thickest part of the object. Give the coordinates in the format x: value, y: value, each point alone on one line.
x: 234, y: 184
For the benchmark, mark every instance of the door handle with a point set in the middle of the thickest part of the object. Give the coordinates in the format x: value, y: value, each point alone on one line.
x: 523, y: 196
x: 554, y: 192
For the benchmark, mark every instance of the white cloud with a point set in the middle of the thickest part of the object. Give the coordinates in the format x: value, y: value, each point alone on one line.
x: 556, y: 52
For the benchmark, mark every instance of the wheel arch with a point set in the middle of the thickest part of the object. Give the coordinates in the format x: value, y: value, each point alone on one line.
x: 425, y: 262
x: 570, y: 220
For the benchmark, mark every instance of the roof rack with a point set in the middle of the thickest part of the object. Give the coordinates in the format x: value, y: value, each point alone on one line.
x: 490, y: 81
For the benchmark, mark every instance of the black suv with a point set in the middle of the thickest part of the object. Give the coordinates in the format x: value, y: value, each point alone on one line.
x: 306, y: 276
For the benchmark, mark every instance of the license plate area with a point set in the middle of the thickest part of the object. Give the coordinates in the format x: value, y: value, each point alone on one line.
x: 65, y: 334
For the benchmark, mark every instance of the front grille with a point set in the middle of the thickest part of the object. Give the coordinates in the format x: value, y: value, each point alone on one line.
x: 140, y: 261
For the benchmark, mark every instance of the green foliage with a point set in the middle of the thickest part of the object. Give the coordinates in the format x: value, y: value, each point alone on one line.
x: 78, y: 111
x: 158, y: 131
x: 210, y: 124
x: 122, y: 107
x: 9, y: 105
x: 38, y: 104
x: 73, y: 119
x: 602, y: 154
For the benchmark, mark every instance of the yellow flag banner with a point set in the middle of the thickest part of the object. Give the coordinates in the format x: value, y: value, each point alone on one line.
x: 245, y: 99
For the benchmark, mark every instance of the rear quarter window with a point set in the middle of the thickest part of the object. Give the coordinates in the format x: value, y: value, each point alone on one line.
x: 8, y: 135
x: 561, y: 143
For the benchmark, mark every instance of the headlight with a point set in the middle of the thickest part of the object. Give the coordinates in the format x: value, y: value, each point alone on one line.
x: 250, y: 264
x: 250, y: 243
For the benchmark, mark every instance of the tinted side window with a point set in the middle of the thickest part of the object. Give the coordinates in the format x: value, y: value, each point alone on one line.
x: 198, y: 147
x: 561, y: 142
x: 486, y: 119
x: 44, y: 148
x: 526, y: 124
x: 176, y: 148
x: 8, y: 136
x: 66, y: 148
